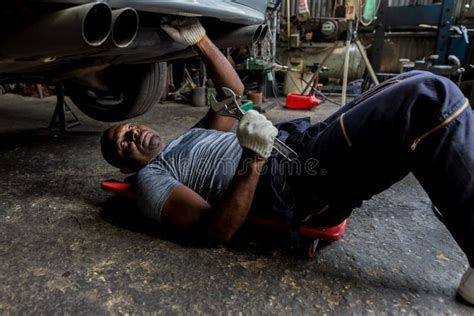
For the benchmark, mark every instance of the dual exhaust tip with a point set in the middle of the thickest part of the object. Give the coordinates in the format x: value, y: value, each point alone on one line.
x: 260, y: 33
x: 83, y: 28
x: 101, y: 25
x: 120, y: 27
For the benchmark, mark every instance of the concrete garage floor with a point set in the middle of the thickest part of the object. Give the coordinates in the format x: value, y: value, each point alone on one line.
x: 63, y: 251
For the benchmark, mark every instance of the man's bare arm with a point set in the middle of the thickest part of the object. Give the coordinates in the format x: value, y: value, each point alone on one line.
x: 223, y: 75
x: 234, y: 207
x: 187, y: 212
x: 190, y: 32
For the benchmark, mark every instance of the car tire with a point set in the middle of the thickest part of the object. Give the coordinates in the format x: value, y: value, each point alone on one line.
x: 134, y: 89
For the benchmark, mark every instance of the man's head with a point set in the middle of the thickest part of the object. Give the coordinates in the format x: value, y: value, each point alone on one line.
x: 130, y: 147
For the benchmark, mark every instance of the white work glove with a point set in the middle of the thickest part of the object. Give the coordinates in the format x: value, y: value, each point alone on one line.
x: 466, y: 288
x: 256, y: 133
x: 184, y: 30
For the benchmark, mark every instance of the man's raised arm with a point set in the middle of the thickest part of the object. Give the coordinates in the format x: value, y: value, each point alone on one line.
x: 189, y: 31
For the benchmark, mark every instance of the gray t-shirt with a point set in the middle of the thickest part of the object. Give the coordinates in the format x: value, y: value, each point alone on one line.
x: 201, y: 159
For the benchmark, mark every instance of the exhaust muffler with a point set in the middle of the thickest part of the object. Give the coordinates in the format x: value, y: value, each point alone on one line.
x: 234, y: 37
x: 77, y: 29
x: 241, y: 36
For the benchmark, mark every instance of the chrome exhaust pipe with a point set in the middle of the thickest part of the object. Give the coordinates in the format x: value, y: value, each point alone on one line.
x: 124, y: 27
x: 77, y: 29
x: 240, y: 37
x: 258, y: 34
x: 264, y: 32
x: 96, y: 24
x: 148, y: 42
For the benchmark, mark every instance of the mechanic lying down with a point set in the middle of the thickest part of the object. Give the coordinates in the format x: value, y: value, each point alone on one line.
x: 209, y: 179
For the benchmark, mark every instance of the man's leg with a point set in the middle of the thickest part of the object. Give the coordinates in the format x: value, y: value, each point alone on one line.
x: 369, y: 147
x: 384, y: 85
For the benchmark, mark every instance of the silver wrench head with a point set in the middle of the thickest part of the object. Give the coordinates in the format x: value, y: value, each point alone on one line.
x: 222, y: 107
x: 229, y: 92
x: 215, y: 105
x: 228, y: 106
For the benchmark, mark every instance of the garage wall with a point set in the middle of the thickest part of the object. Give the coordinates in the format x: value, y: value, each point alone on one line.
x: 323, y: 8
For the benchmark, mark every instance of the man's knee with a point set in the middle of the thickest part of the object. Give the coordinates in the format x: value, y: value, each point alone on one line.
x: 435, y: 93
x: 412, y: 74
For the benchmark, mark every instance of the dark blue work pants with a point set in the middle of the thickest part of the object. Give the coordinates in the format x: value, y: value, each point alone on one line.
x: 371, y: 143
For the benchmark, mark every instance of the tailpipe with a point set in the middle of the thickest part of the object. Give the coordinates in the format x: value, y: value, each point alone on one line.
x: 148, y: 42
x: 77, y: 29
x: 124, y: 27
x: 263, y: 33
x: 241, y: 36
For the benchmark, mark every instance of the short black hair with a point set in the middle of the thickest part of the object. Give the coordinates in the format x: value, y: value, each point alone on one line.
x: 109, y: 151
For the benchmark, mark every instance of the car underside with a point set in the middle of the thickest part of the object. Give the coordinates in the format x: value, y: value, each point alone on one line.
x: 111, y: 55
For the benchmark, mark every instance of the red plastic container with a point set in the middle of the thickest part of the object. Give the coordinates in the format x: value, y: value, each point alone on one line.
x: 302, y: 102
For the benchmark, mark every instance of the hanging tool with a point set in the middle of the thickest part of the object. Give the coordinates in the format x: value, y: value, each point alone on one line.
x: 230, y: 107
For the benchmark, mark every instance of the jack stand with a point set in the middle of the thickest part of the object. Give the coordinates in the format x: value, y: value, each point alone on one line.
x: 59, y: 119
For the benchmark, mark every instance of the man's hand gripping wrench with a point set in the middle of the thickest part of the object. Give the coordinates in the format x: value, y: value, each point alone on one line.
x: 230, y: 107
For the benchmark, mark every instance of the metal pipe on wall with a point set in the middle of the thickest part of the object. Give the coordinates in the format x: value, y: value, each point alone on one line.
x: 274, y: 35
x: 288, y: 26
x: 346, y: 62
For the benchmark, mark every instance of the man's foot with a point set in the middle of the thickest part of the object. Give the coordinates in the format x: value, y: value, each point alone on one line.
x: 466, y: 287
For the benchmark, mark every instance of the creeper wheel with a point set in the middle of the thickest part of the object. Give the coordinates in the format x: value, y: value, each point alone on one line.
x: 308, y: 248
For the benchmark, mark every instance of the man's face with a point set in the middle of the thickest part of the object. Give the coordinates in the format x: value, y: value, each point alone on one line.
x: 135, y: 144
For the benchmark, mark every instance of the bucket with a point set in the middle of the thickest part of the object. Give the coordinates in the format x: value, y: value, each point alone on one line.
x: 296, y: 77
x: 255, y: 96
x: 198, y: 96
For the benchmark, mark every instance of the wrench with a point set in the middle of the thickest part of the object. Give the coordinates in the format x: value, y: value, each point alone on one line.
x: 230, y: 107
